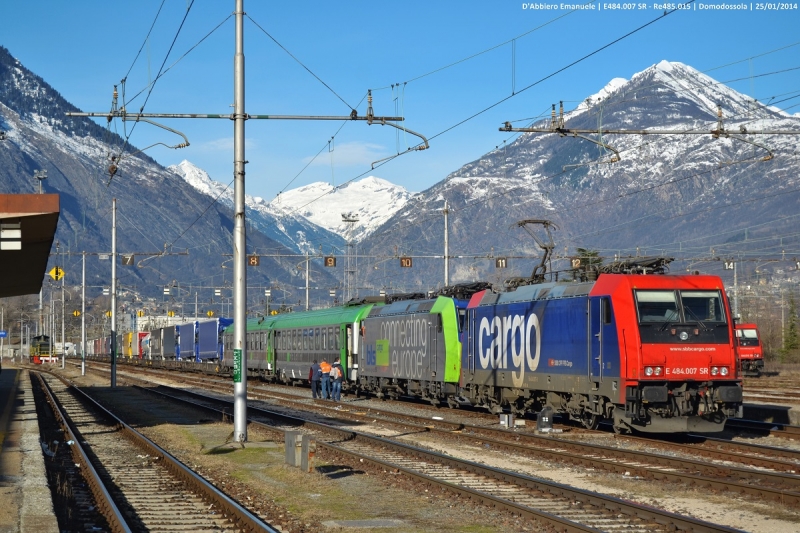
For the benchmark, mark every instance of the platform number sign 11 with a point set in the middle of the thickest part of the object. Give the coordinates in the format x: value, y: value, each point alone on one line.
x: 501, y: 262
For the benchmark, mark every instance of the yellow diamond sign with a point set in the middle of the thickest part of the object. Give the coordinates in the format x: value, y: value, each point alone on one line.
x: 56, y: 273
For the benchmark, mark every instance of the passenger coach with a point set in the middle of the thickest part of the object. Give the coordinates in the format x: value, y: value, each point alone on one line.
x: 283, y: 346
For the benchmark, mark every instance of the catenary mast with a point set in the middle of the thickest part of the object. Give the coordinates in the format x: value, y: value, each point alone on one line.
x: 239, y: 241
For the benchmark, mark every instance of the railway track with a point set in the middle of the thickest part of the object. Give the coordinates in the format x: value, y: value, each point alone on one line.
x: 555, y: 505
x: 763, y: 478
x: 136, y: 485
x: 785, y: 431
x: 767, y: 474
x: 757, y: 472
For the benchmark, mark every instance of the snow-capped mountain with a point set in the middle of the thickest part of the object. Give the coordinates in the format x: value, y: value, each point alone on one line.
x: 177, y: 235
x: 283, y: 226
x: 369, y: 202
x: 305, y: 215
x: 686, y: 195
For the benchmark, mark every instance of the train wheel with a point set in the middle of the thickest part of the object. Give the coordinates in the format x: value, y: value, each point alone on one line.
x: 590, y: 421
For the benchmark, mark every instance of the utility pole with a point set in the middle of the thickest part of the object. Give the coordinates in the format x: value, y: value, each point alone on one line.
x: 40, y: 175
x: 735, y: 292
x: 239, y: 263
x: 352, y: 262
x: 83, y: 317
x: 239, y: 258
x: 446, y: 248
x: 63, y: 307
x: 113, y: 293
x: 308, y: 265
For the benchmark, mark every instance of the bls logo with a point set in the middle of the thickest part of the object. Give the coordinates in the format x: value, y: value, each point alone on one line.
x: 518, y: 336
x: 371, y: 356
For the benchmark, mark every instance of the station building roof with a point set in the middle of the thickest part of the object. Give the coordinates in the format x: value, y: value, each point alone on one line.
x: 27, y: 228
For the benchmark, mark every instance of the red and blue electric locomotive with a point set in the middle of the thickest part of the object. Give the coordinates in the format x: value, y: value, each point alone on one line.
x: 652, y: 353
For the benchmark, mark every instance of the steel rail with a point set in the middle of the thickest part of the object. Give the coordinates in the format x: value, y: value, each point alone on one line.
x: 778, y: 430
x: 102, y: 497
x: 235, y: 512
x: 665, y: 518
x: 649, y: 465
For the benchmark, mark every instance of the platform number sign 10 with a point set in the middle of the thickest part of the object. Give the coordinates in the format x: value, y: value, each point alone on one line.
x: 406, y: 262
x: 501, y: 262
x: 728, y: 265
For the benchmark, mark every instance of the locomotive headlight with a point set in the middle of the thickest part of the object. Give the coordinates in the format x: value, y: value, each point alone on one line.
x: 724, y: 371
x: 658, y: 371
x: 714, y: 371
x: 648, y: 371
x: 683, y: 336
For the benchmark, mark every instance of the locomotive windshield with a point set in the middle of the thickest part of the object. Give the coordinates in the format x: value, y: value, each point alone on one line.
x: 747, y: 337
x: 700, y: 313
x: 679, y: 306
x: 657, y: 306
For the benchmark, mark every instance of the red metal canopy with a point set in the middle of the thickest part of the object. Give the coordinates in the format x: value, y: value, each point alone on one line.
x: 27, y: 228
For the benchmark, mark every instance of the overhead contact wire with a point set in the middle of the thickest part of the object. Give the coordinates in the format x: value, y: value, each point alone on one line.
x: 299, y: 62
x: 169, y: 51
x: 517, y: 93
x: 147, y: 38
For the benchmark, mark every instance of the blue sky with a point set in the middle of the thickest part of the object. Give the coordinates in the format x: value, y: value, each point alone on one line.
x: 84, y: 48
